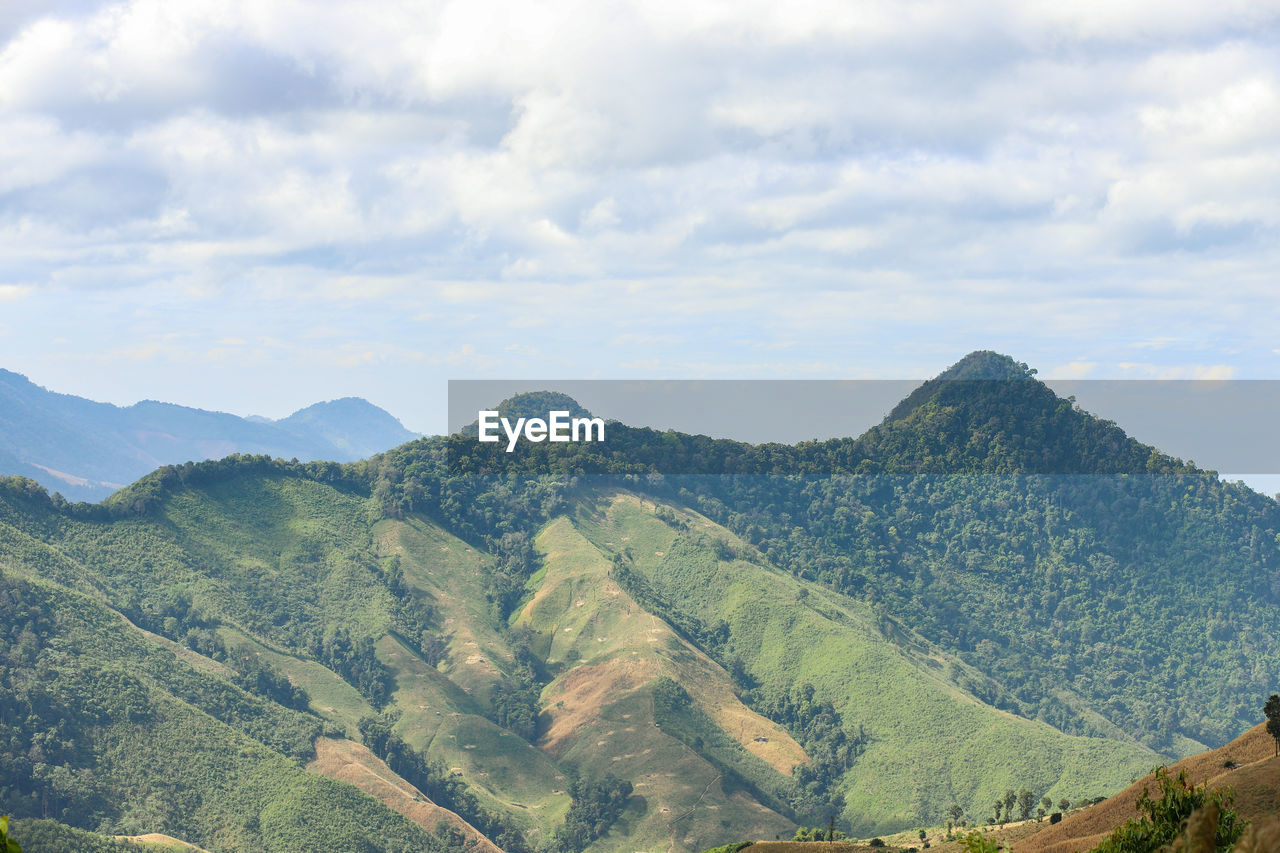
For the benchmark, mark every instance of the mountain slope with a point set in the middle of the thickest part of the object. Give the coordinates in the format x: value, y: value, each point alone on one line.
x: 608, y: 652
x: 931, y: 743
x: 81, y: 686
x: 87, y: 450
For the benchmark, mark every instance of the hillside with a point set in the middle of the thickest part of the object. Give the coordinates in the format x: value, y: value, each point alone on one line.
x: 1246, y: 765
x: 601, y: 648
x: 930, y: 742
x: 82, y: 687
x: 1040, y: 544
x: 86, y: 450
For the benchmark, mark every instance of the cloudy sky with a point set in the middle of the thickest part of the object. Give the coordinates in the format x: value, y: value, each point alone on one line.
x: 251, y: 206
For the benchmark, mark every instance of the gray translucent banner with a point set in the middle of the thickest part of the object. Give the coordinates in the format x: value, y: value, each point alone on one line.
x: 1228, y: 426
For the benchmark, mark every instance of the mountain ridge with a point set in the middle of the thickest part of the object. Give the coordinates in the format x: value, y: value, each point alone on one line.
x: 86, y: 449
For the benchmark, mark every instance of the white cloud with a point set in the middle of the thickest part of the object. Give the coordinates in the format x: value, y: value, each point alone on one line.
x: 856, y: 176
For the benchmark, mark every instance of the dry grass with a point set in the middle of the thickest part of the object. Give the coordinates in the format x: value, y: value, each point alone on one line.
x: 1255, y: 781
x: 816, y: 847
x: 164, y: 842
x: 354, y: 764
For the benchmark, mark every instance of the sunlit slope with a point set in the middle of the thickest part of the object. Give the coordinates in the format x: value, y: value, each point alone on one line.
x: 354, y: 764
x: 314, y: 538
x: 441, y: 707
x: 1247, y: 765
x: 449, y: 572
x: 931, y: 743
x: 273, y: 563
x: 599, y: 710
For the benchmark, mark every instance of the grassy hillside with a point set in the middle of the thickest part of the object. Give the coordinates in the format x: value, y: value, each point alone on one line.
x: 931, y: 742
x: 1103, y: 586
x: 607, y: 652
x: 270, y: 570
x: 106, y: 728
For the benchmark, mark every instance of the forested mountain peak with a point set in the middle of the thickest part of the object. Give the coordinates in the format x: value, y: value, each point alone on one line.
x: 980, y: 365
x: 536, y: 404
x: 987, y: 364
x: 989, y: 414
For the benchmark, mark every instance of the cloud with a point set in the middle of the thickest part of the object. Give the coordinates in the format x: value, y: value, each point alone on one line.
x: 680, y: 184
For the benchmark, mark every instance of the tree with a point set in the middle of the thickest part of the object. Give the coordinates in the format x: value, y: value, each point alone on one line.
x: 1272, y: 710
x: 1063, y: 805
x: 1026, y: 800
x: 955, y: 812
x: 1046, y: 802
x: 999, y: 805
x: 1009, y: 799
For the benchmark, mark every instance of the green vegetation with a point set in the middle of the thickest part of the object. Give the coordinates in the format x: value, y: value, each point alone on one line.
x: 819, y: 728
x: 1162, y: 820
x: 976, y: 842
x: 917, y: 744
x: 596, y: 805
x: 678, y: 715
x: 818, y: 833
x: 1272, y: 710
x: 1038, y: 543
x: 989, y: 597
x: 217, y: 765
x: 434, y: 780
x: 49, y: 836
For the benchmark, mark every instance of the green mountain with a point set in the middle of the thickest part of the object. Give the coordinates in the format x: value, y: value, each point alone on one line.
x: 86, y: 450
x: 663, y: 642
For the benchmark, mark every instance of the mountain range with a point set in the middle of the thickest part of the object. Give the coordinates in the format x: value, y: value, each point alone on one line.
x: 662, y: 642
x: 86, y: 450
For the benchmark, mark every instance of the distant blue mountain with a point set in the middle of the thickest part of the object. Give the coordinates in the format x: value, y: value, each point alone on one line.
x: 86, y: 450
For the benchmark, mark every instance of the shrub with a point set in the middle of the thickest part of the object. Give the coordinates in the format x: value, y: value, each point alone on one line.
x: 1163, y: 820
x: 975, y: 842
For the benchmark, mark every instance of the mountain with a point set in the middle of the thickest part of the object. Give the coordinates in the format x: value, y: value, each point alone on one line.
x: 356, y: 427
x: 87, y: 450
x: 663, y: 641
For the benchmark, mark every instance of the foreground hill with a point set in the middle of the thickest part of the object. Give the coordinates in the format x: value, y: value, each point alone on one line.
x: 1246, y: 765
x: 86, y: 450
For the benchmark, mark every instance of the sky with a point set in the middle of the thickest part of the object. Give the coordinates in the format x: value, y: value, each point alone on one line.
x: 252, y: 206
